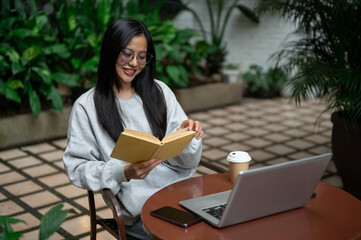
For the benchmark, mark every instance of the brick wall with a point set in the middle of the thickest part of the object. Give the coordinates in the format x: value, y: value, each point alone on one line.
x: 247, y: 42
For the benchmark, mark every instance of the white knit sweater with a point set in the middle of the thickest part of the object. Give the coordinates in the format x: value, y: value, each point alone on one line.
x: 87, y: 158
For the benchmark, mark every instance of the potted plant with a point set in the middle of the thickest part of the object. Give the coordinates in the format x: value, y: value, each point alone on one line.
x: 231, y: 72
x: 264, y: 84
x: 326, y: 56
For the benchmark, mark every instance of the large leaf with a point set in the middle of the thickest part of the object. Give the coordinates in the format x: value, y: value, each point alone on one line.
x: 8, y: 233
x: 31, y: 52
x: 16, y: 68
x: 52, y: 220
x: 173, y: 52
x: 183, y: 36
x: 178, y: 75
x: 44, y: 74
x: 56, y: 99
x: 91, y: 65
x: 103, y: 13
x: 13, y: 55
x: 71, y: 20
x: 59, y: 49
x: 248, y: 13
x: 67, y: 79
x: 35, y: 104
x: 21, y: 33
x: 8, y: 92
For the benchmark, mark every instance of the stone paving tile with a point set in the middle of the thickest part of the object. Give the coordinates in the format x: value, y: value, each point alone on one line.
x: 30, y: 220
x: 39, y: 148
x: 319, y: 150
x: 317, y: 139
x: 256, y: 131
x: 78, y: 225
x: 277, y: 137
x: 236, y: 126
x: 275, y: 127
x: 236, y: 136
x: 236, y: 147
x: 280, y: 149
x: 2, y: 197
x: 299, y: 144
x: 70, y: 191
x: 258, y: 142
x: 4, y: 168
x: 25, y: 162
x: 52, y: 156
x: 219, y: 131
x: 216, y: 141
x: 40, y: 170
x: 60, y: 143
x: 9, y: 207
x: 214, y: 154
x: 40, y: 199
x: 299, y: 155
x: 260, y: 155
x: 55, y: 180
x: 218, y: 121
x: 12, y: 153
x: 22, y: 188
x: 10, y: 177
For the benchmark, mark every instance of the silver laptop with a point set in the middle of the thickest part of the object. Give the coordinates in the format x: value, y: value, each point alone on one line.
x: 261, y: 192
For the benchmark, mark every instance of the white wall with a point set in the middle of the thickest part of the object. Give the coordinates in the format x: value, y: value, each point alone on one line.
x: 247, y: 42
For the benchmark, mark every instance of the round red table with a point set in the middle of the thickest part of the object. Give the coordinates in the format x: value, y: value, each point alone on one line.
x: 332, y: 214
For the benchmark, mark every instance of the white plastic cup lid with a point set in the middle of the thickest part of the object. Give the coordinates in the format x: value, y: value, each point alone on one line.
x: 238, y: 156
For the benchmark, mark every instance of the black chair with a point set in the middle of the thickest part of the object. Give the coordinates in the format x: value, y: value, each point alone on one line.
x: 115, y: 225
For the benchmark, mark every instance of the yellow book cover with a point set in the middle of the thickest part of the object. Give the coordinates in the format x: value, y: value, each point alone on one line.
x: 135, y: 146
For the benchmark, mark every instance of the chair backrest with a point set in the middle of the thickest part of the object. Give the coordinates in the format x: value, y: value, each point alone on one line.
x: 116, y: 226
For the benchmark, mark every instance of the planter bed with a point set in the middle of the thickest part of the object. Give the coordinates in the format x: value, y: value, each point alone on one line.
x: 26, y: 129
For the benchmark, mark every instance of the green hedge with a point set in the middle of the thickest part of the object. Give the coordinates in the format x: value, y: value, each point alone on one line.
x: 42, y: 46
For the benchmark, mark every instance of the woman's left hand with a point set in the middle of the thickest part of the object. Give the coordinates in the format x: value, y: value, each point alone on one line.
x: 193, y: 125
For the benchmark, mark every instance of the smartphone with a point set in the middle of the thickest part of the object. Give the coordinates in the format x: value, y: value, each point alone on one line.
x: 176, y: 216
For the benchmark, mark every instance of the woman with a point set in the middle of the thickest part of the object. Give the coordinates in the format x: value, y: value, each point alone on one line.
x: 126, y: 95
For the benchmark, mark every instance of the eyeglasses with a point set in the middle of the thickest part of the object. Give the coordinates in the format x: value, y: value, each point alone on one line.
x: 126, y: 56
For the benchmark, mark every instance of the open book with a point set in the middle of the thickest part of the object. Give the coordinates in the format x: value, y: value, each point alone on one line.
x: 135, y: 146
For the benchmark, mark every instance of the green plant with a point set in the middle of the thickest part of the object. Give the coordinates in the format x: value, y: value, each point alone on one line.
x: 49, y: 223
x: 41, y: 49
x: 260, y: 81
x: 326, y: 53
x: 215, y: 49
x: 26, y: 44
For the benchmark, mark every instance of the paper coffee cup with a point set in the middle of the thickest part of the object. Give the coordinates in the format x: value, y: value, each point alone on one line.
x: 238, y: 161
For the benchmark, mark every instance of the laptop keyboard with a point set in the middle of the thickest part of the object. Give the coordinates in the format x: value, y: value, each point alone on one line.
x: 215, y: 211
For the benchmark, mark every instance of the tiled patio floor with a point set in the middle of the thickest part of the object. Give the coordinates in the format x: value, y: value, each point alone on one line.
x: 32, y: 178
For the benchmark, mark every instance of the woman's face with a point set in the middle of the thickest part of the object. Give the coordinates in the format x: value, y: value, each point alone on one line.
x: 131, y: 60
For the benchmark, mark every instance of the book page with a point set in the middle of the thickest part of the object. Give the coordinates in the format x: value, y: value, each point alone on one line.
x: 178, y: 134
x: 141, y: 135
x: 174, y: 148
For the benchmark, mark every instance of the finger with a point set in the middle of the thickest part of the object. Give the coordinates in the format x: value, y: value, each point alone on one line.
x: 197, y: 126
x: 145, y: 171
x: 190, y: 124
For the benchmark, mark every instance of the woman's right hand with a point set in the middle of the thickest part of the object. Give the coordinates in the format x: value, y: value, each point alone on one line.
x: 140, y: 170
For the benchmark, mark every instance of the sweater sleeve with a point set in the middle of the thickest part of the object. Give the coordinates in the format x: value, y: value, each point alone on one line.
x: 85, y: 163
x: 191, y: 155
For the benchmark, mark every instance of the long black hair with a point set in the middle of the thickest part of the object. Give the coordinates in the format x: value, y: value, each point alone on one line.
x: 117, y: 36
